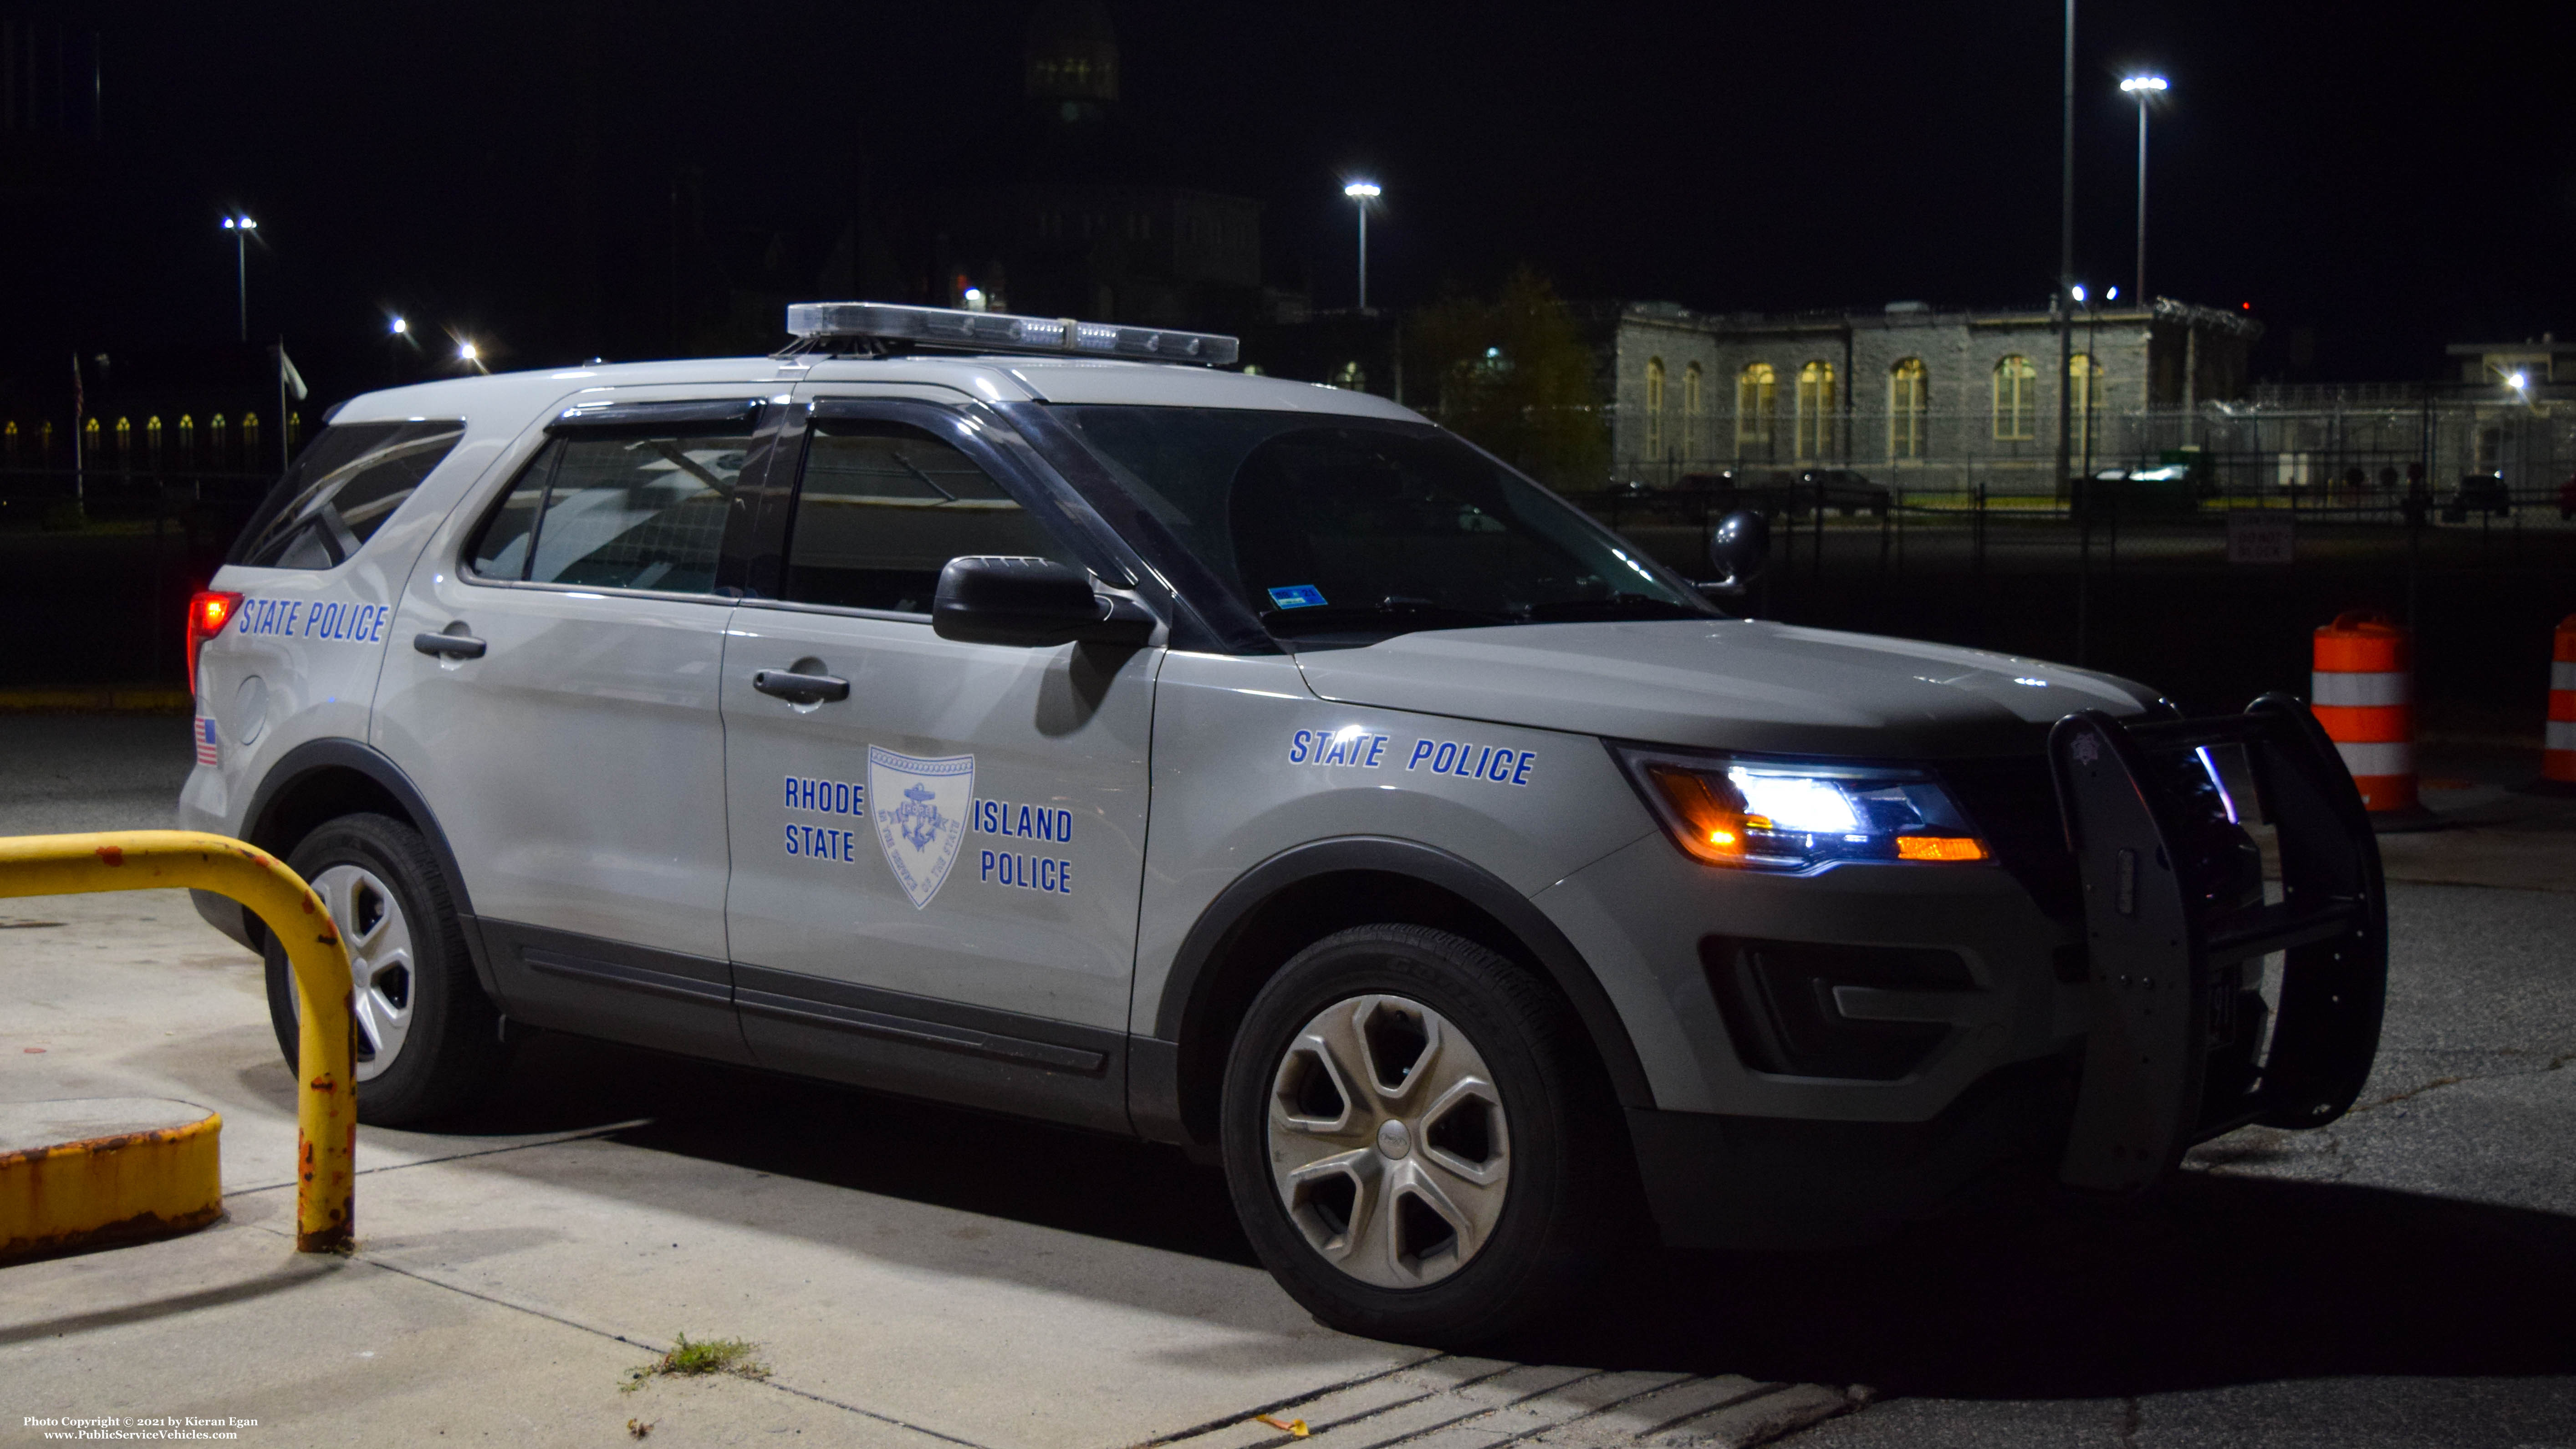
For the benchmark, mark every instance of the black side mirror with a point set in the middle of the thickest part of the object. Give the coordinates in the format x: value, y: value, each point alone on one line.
x: 1738, y: 549
x: 985, y: 599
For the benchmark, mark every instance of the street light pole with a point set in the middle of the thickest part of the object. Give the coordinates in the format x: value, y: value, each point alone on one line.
x: 241, y: 227
x: 2064, y: 315
x: 2141, y: 87
x: 1361, y: 194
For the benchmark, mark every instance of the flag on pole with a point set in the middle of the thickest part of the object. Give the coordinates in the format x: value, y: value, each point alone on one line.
x: 287, y: 377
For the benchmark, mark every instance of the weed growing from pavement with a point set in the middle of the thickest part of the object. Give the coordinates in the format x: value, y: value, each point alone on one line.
x: 696, y: 1360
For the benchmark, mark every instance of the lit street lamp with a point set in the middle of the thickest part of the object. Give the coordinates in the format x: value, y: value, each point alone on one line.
x: 2143, y: 88
x: 241, y: 227
x: 1361, y: 194
x: 470, y: 355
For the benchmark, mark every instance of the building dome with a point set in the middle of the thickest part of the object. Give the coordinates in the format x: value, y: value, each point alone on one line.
x: 1071, y: 54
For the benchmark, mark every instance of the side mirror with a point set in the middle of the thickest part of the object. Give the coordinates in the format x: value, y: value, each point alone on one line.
x: 1738, y: 549
x: 1032, y: 602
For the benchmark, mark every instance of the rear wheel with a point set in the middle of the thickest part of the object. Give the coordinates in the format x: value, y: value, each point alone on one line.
x: 1416, y: 1137
x: 426, y: 1038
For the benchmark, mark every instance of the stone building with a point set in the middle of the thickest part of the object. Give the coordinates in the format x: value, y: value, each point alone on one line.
x: 1933, y: 399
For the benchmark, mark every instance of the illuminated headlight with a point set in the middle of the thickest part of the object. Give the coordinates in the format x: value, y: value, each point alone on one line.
x: 1774, y: 815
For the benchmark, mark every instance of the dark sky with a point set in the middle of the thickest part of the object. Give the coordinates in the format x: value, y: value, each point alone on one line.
x: 2388, y: 179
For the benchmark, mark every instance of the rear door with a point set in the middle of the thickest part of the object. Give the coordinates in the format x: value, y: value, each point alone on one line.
x: 935, y: 876
x: 552, y: 688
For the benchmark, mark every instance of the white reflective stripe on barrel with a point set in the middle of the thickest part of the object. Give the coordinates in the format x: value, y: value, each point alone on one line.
x: 2385, y: 759
x: 2561, y: 735
x: 2562, y: 674
x: 2361, y: 691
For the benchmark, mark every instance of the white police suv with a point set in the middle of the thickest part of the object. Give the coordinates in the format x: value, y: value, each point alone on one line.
x: 1039, y: 715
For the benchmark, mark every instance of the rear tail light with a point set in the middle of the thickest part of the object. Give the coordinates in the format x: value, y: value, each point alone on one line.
x: 208, y: 612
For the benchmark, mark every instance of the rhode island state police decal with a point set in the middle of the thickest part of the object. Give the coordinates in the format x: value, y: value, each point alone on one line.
x: 920, y: 808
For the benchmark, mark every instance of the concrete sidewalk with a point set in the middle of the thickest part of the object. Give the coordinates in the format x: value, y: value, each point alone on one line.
x: 913, y: 1275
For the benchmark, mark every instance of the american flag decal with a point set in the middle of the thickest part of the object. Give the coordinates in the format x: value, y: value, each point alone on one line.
x: 206, y: 751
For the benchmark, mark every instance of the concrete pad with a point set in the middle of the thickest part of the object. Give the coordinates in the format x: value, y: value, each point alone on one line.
x: 90, y: 1171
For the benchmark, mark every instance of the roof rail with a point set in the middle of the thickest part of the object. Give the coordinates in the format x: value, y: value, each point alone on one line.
x: 882, y: 327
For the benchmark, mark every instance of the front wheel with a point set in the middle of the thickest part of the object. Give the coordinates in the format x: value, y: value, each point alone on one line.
x: 1417, y: 1139
x: 427, y: 1039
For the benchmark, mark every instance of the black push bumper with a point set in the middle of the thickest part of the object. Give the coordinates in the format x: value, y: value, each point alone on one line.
x: 2177, y: 1052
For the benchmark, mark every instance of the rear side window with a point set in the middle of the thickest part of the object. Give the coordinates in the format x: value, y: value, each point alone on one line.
x: 617, y: 511
x: 340, y: 490
x: 883, y: 507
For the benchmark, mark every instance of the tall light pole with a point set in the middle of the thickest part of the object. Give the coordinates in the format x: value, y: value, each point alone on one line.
x: 2142, y: 87
x: 2063, y: 314
x: 1361, y: 194
x: 241, y: 227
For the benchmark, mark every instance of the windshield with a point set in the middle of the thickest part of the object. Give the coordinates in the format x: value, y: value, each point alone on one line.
x: 1354, y: 527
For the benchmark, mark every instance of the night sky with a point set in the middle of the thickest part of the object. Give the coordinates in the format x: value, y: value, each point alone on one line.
x: 2385, y: 180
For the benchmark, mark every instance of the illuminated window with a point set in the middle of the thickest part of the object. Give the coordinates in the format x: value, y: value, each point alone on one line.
x: 1906, y: 387
x: 9, y: 437
x: 1815, y: 409
x: 152, y: 440
x: 2016, y: 382
x: 187, y: 439
x: 124, y: 437
x: 250, y: 439
x: 1757, y: 397
x: 1350, y: 377
x: 2084, y: 384
x: 1692, y: 408
x: 1654, y: 407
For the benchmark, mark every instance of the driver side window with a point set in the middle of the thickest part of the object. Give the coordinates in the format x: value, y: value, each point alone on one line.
x: 881, y: 509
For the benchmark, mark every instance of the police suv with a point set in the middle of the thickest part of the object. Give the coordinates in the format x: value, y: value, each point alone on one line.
x: 1044, y: 716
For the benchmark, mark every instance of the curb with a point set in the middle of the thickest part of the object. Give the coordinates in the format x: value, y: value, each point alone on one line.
x: 142, y: 1168
x: 96, y: 701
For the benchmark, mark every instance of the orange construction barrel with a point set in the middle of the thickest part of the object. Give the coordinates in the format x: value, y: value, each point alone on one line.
x: 2558, y: 747
x: 2363, y: 692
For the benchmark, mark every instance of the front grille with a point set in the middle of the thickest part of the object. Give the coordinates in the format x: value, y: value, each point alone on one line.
x: 2013, y: 804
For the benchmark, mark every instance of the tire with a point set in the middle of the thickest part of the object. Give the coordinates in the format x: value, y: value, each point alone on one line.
x: 428, y: 1040
x: 1532, y: 1164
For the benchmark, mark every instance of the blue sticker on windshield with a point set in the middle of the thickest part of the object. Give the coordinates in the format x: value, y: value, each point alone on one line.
x: 1298, y: 596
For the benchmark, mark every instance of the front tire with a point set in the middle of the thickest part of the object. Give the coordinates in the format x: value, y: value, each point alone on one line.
x: 427, y: 1040
x: 1417, y: 1139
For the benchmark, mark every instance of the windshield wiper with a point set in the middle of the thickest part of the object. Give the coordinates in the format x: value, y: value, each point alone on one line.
x: 1617, y: 606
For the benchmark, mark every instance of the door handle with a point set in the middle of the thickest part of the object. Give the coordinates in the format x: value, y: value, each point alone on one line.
x: 451, y: 646
x: 800, y: 688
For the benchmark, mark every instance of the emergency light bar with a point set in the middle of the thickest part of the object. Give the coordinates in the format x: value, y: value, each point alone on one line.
x: 819, y: 324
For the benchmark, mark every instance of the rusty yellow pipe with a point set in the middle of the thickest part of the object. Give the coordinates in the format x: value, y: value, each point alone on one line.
x: 326, y: 1091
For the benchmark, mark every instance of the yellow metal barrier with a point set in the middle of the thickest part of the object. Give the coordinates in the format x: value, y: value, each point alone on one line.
x: 326, y: 1092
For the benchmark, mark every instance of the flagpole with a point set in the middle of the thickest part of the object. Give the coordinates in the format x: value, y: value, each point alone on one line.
x: 80, y: 475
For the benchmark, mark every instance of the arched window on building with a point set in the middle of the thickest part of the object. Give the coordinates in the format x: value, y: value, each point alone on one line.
x: 1694, y: 408
x: 1815, y: 409
x: 1757, y: 398
x: 124, y: 441
x: 152, y: 439
x: 1907, y: 387
x: 1655, y: 409
x: 218, y: 445
x: 1350, y: 377
x: 187, y: 441
x: 9, y: 439
x: 295, y: 427
x: 2084, y: 385
x: 2016, y: 386
x: 250, y: 440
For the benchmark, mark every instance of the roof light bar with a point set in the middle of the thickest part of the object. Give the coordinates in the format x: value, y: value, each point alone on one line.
x: 817, y: 322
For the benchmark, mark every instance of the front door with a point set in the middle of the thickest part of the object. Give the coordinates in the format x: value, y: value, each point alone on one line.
x: 936, y: 867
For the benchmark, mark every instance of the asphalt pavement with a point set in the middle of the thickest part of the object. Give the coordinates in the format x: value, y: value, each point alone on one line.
x: 915, y: 1274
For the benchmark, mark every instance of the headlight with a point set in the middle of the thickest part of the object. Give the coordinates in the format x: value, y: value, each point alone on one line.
x: 1774, y: 815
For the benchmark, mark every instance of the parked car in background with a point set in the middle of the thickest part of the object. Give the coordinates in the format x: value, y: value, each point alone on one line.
x: 2479, y: 493
x: 1778, y: 490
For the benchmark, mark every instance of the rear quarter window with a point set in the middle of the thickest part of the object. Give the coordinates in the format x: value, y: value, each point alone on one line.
x: 340, y: 490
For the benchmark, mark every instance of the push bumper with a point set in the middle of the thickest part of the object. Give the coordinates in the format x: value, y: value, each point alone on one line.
x: 2175, y: 1055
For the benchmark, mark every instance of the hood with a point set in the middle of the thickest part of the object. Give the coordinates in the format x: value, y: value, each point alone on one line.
x: 1725, y: 684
